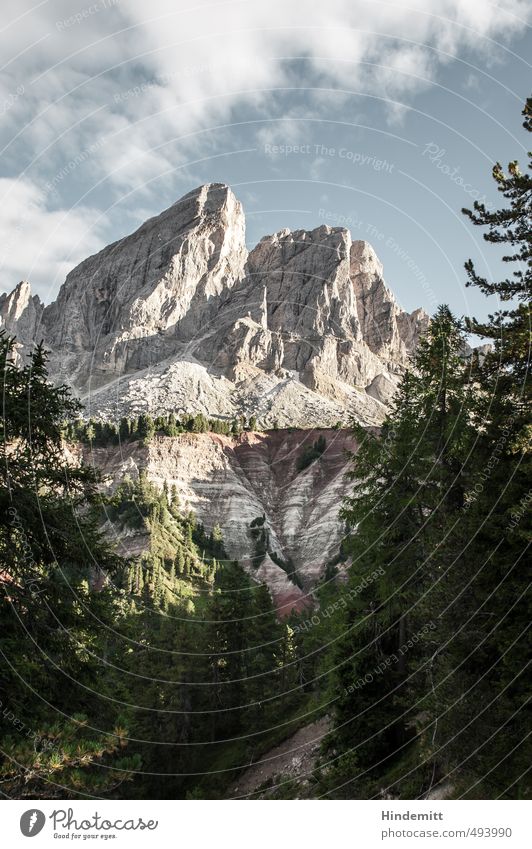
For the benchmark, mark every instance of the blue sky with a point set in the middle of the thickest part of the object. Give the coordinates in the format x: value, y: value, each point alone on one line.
x: 385, y: 117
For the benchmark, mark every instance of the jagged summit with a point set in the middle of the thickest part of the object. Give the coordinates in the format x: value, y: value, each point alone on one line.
x: 21, y: 313
x: 179, y: 316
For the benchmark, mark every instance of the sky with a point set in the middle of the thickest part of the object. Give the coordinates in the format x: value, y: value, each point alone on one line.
x: 384, y: 117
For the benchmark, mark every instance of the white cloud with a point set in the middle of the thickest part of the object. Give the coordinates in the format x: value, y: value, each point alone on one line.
x: 133, y: 83
x: 40, y: 245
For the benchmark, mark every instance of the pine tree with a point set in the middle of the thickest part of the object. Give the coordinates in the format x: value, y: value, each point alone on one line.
x: 483, y: 725
x: 124, y: 429
x: 146, y: 428
x: 180, y: 561
x: 54, y: 629
x: 410, y: 484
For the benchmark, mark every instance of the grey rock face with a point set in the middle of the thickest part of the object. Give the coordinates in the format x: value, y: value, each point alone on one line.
x: 178, y: 316
x: 317, y: 311
x: 20, y: 316
x: 301, y: 332
x: 128, y: 306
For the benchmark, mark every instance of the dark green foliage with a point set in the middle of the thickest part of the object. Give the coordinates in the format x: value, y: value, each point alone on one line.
x: 410, y: 479
x: 440, y: 510
x: 420, y: 657
x: 144, y: 428
x: 124, y: 429
x: 58, y: 723
x: 178, y: 645
x: 311, y: 453
x: 260, y: 535
x: 213, y: 659
x: 507, y: 226
x: 217, y: 688
x: 200, y: 424
x: 288, y: 567
x: 499, y: 516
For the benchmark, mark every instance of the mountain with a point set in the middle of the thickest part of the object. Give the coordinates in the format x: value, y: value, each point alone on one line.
x: 300, y: 333
x: 21, y: 314
x: 179, y: 316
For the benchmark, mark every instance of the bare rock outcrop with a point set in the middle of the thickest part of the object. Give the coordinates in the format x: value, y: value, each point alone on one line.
x: 300, y: 333
x: 20, y: 316
x: 178, y: 317
x: 233, y: 482
x: 130, y: 305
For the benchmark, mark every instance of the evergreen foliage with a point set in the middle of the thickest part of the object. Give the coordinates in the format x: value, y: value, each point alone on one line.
x: 311, y: 453
x: 61, y: 734
x: 164, y: 674
x: 145, y: 427
x: 430, y: 683
x: 116, y: 674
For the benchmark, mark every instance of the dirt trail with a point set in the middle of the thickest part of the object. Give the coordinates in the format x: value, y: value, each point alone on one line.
x: 292, y: 758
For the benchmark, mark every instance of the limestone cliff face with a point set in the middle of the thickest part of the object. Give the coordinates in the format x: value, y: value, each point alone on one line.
x: 178, y: 317
x: 232, y: 482
x: 128, y: 306
x: 20, y: 315
x: 301, y: 332
x: 314, y: 311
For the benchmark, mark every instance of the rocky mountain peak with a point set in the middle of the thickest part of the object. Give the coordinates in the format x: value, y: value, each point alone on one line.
x: 20, y: 315
x: 15, y: 304
x: 177, y: 316
x: 127, y: 305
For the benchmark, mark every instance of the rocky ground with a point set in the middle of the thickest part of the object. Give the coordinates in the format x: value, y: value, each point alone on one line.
x: 294, y: 758
x: 233, y: 481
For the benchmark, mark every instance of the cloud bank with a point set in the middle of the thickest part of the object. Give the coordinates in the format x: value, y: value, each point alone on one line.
x: 99, y: 100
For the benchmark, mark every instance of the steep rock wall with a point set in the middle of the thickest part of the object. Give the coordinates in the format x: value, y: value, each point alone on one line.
x: 234, y: 481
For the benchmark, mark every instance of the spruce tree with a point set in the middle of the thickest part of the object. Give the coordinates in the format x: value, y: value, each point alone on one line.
x: 54, y: 628
x: 409, y: 484
x: 483, y: 698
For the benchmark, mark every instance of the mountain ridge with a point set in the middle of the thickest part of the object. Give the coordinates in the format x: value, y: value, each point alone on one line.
x: 180, y: 316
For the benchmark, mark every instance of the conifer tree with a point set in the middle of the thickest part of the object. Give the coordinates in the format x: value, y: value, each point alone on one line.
x: 410, y: 481
x: 483, y: 698
x: 124, y: 429
x: 53, y: 626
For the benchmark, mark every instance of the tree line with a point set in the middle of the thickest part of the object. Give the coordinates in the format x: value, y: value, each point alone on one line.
x: 144, y: 427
